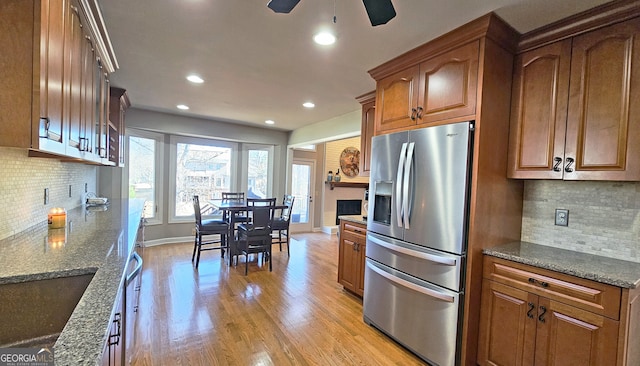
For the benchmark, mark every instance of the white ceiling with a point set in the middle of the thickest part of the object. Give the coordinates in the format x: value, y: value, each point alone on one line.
x: 260, y: 65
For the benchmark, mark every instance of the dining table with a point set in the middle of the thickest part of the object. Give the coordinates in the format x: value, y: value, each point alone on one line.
x: 230, y: 209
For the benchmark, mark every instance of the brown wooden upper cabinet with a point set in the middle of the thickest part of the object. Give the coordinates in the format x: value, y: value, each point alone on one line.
x: 368, y: 102
x: 574, y: 108
x: 439, y: 88
x: 55, y: 95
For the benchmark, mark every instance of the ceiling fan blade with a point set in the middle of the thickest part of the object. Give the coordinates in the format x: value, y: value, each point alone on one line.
x: 282, y: 6
x: 379, y: 11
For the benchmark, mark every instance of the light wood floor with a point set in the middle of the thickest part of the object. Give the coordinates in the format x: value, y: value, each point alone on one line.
x: 296, y: 315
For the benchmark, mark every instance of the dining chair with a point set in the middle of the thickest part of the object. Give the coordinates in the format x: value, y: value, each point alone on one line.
x: 255, y: 237
x: 239, y: 216
x: 281, y: 223
x: 211, y: 227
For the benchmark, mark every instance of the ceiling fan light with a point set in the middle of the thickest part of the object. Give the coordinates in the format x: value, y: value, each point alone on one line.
x: 379, y: 11
x: 324, y: 38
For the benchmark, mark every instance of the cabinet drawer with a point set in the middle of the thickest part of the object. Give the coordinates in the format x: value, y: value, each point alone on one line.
x: 354, y: 237
x: 592, y: 296
x: 357, y: 229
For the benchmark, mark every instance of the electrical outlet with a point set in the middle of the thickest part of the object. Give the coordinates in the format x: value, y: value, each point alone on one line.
x: 46, y: 196
x: 69, y: 190
x: 562, y: 217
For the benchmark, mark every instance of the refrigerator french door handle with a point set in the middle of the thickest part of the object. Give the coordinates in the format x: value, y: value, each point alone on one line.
x: 401, y: 163
x: 411, y: 285
x: 405, y: 186
x: 413, y: 253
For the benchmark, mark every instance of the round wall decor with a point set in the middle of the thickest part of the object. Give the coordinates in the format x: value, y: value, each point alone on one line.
x: 350, y: 161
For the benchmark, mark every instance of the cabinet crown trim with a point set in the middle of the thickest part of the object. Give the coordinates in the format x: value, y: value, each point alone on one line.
x: 490, y: 26
x: 586, y: 21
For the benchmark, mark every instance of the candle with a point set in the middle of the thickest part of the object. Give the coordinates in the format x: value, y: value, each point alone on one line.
x: 57, y: 218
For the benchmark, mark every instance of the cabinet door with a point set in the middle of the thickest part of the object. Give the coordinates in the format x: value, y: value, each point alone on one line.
x: 51, y: 76
x: 448, y: 85
x: 87, y: 97
x: 570, y: 336
x: 367, y: 130
x: 73, y: 65
x: 361, y: 254
x: 347, y: 264
x: 539, y: 112
x: 603, y: 123
x: 397, y: 99
x: 507, y: 326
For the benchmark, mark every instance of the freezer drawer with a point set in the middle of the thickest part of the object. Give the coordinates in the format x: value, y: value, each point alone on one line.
x: 440, y: 268
x: 419, y: 315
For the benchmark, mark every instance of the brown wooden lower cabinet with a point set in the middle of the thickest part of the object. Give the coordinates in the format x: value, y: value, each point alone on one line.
x: 531, y: 316
x: 351, y: 255
x: 113, y: 348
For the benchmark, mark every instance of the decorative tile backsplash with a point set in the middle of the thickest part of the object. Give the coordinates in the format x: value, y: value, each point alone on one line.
x: 604, y: 217
x: 22, y: 183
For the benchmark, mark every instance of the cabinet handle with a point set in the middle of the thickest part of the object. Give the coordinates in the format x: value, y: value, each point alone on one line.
x: 413, y: 114
x: 556, y: 166
x: 114, y: 339
x: 568, y: 167
x: 82, y: 144
x: 419, y: 115
x: 531, y: 307
x: 541, y: 316
x: 541, y: 283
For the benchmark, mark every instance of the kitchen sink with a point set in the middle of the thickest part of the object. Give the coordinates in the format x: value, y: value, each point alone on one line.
x: 34, y: 313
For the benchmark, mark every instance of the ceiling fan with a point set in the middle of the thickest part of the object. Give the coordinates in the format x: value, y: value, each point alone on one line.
x: 379, y: 11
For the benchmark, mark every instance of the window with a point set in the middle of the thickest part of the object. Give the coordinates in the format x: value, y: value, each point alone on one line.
x: 144, y: 171
x: 200, y: 167
x: 258, y: 172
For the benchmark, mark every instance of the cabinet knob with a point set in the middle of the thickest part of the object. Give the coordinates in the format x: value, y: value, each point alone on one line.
x: 568, y: 167
x: 556, y: 166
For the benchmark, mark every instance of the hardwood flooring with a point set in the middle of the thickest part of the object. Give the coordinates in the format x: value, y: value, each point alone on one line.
x: 296, y: 315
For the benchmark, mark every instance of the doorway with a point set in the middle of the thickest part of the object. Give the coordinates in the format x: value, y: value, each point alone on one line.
x: 302, y: 187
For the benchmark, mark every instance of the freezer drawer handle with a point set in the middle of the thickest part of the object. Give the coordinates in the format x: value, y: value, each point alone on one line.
x: 136, y: 270
x: 412, y: 286
x: 413, y: 253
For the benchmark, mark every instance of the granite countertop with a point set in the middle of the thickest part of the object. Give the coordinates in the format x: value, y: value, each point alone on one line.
x: 98, y: 242
x: 606, y: 270
x: 359, y: 219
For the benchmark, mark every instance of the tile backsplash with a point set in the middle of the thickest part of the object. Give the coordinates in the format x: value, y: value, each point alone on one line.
x: 604, y: 217
x: 22, y: 183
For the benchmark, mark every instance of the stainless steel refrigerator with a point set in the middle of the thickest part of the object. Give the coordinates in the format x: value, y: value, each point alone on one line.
x: 417, y: 238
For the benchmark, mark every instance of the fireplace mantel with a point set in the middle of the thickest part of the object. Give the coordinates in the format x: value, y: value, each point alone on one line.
x: 348, y: 184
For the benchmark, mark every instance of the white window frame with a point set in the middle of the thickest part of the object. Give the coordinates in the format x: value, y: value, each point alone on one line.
x: 173, y: 157
x: 159, y: 170
x: 244, y: 186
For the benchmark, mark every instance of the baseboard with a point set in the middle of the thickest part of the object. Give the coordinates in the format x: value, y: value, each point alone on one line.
x: 174, y: 240
x: 330, y: 229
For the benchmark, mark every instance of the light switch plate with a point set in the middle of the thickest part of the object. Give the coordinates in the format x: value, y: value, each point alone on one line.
x: 562, y: 217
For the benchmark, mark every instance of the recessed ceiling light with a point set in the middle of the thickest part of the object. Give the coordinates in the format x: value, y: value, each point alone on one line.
x: 324, y: 38
x: 308, y: 105
x: 182, y: 106
x: 269, y: 122
x: 195, y: 79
